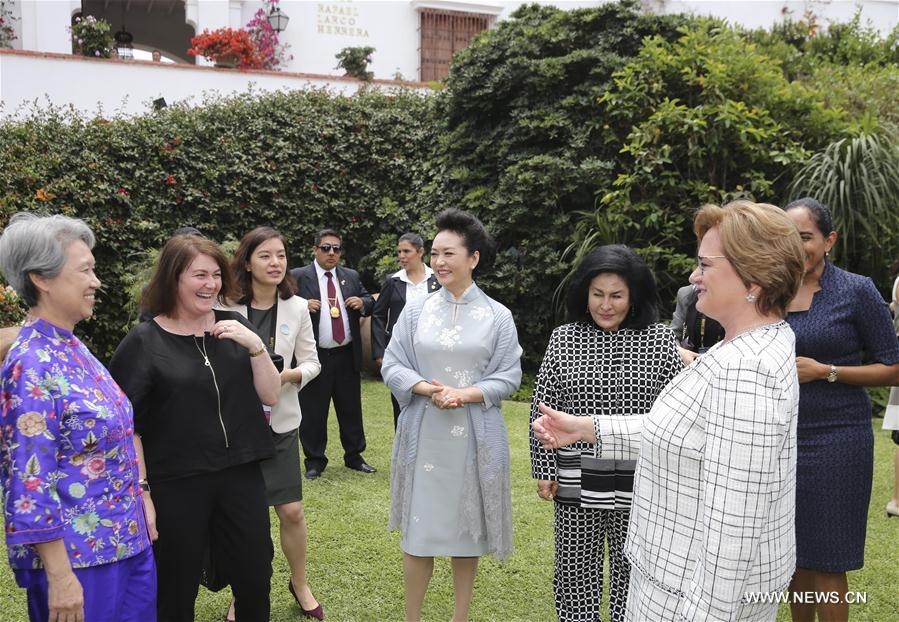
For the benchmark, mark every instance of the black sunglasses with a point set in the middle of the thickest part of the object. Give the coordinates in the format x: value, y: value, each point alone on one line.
x: 327, y: 248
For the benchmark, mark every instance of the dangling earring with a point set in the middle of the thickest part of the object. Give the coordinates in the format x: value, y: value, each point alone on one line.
x: 631, y: 312
x: 750, y: 297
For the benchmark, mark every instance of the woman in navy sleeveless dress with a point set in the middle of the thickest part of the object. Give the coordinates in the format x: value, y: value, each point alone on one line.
x: 836, y: 316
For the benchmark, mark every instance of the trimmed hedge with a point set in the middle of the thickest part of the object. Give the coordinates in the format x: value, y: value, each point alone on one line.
x: 299, y: 161
x: 525, y: 146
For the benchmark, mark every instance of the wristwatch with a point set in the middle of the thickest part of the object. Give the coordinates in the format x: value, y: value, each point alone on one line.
x: 832, y: 376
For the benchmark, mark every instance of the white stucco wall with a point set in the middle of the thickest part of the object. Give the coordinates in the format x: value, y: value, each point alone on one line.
x: 882, y: 14
x: 43, y: 25
x: 319, y: 30
x: 316, y: 32
x: 129, y: 87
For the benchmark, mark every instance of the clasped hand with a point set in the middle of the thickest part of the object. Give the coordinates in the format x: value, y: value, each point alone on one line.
x: 446, y: 397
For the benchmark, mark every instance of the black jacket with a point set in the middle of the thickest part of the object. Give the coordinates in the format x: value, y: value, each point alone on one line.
x: 387, y: 309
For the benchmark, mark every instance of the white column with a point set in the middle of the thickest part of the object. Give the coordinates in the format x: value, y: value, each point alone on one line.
x: 45, y: 25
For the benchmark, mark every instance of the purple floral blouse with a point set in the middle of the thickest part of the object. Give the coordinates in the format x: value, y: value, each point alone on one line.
x: 67, y: 459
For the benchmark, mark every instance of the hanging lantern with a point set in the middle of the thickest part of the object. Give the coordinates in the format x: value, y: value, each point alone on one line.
x: 277, y: 19
x: 123, y: 40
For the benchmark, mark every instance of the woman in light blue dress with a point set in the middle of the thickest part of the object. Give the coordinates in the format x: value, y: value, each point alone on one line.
x: 452, y: 359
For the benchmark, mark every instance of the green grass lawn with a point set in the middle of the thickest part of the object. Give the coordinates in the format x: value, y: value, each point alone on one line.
x: 355, y: 565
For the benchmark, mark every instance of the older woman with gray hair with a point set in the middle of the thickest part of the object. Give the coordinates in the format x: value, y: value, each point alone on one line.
x: 78, y: 517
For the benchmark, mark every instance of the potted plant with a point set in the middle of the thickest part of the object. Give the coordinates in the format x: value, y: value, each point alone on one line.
x: 91, y: 37
x: 227, y: 47
x: 355, y: 60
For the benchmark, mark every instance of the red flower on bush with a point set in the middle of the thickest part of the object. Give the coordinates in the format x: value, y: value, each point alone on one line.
x: 225, y: 43
x: 123, y: 192
x: 170, y: 181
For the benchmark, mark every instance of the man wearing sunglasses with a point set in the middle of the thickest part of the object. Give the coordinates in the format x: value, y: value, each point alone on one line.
x: 337, y: 299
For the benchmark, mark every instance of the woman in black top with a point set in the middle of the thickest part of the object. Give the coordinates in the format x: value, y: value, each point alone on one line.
x: 197, y: 378
x: 612, y: 359
x: 415, y: 280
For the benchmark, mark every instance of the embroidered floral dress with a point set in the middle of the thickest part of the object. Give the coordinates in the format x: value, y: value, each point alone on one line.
x: 453, y: 345
x: 459, y: 503
x: 67, y: 460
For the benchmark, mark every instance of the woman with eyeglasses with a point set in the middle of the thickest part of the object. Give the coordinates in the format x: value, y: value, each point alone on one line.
x: 836, y: 316
x: 713, y: 498
x: 413, y: 281
x: 198, y: 377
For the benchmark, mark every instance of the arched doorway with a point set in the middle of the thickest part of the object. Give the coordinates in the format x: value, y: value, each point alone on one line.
x: 154, y: 24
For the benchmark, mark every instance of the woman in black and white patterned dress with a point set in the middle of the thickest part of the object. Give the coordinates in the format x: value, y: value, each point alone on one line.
x: 612, y: 359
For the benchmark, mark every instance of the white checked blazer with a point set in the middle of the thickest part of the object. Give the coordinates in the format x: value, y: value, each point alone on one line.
x: 714, y: 493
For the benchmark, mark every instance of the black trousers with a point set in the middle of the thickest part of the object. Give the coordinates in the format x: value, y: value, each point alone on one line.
x: 338, y: 381
x: 228, y: 508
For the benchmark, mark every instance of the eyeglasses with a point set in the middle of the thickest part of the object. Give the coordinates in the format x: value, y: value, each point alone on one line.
x: 700, y: 258
x: 327, y: 248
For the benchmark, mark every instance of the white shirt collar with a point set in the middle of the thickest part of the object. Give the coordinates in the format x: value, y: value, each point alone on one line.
x: 401, y: 274
x: 321, y: 271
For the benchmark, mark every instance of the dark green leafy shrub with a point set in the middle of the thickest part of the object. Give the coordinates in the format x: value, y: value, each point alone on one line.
x: 12, y: 308
x: 524, y: 146
x: 705, y: 118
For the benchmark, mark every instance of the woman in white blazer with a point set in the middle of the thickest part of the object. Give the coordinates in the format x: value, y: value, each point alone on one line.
x: 712, y: 533
x: 282, y: 320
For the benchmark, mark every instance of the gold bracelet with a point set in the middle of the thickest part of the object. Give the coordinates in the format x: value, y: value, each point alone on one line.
x: 259, y: 353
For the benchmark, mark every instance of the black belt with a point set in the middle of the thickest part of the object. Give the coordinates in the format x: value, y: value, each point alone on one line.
x: 333, y: 351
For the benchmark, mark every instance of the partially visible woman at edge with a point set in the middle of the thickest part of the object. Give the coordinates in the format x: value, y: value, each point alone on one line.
x: 612, y: 359
x: 836, y: 315
x: 713, y: 510
x: 79, y: 519
x: 891, y: 414
x: 281, y: 318
x: 198, y: 378
x: 413, y: 281
x: 453, y: 358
